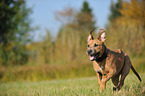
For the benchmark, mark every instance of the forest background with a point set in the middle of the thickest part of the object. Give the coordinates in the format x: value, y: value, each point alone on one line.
x: 22, y: 59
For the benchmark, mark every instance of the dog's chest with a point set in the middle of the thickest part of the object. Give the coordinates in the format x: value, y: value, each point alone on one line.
x: 100, y: 68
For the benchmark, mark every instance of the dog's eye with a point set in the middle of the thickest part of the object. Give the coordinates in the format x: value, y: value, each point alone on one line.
x: 95, y: 45
x: 88, y: 46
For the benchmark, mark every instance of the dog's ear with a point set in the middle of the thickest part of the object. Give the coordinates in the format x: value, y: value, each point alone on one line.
x: 90, y: 37
x: 101, y: 35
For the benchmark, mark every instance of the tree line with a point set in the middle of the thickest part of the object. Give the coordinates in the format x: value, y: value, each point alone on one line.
x: 125, y: 30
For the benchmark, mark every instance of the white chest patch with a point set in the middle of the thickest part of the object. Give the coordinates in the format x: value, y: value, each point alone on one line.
x: 99, y: 70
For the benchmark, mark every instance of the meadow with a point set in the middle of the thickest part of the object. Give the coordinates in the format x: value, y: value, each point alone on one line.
x: 85, y: 86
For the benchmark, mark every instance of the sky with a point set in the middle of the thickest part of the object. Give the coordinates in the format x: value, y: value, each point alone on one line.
x: 43, y: 14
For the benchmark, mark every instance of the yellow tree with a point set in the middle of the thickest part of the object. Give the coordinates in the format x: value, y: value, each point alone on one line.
x: 127, y: 31
x: 133, y: 12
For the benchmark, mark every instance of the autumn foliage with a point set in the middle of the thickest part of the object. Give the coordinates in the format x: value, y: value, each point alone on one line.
x: 128, y: 30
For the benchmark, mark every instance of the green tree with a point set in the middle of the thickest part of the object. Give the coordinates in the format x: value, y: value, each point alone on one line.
x: 85, y: 18
x: 14, y: 31
x: 47, y: 48
x: 71, y: 39
x: 115, y: 10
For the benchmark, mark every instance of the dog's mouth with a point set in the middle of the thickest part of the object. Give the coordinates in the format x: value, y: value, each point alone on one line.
x: 94, y: 56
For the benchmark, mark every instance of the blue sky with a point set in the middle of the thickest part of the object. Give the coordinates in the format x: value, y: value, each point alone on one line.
x: 44, y: 11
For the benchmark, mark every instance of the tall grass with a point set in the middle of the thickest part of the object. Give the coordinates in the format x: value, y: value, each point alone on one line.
x: 56, y: 71
x: 46, y: 72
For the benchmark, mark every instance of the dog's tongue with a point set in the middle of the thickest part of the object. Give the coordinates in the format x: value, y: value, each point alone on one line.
x: 92, y: 57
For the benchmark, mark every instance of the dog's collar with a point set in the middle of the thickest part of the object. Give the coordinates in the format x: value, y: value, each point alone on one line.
x: 100, y: 59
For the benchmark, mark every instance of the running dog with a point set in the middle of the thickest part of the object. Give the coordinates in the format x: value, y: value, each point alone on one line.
x: 108, y: 64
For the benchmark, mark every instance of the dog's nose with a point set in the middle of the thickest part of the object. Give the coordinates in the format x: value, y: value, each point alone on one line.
x: 89, y: 51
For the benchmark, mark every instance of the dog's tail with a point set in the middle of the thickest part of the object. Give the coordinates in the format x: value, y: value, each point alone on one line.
x: 135, y: 73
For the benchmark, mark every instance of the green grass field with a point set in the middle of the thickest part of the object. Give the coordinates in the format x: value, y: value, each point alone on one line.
x: 73, y: 87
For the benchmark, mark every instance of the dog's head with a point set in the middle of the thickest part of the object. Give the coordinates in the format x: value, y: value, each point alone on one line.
x: 95, y: 47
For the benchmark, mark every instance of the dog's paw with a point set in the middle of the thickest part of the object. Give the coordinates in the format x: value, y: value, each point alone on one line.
x: 102, y: 86
x: 100, y: 91
x: 114, y: 88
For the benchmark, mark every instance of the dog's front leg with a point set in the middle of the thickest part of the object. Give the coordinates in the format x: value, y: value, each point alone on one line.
x: 99, y: 77
x: 105, y: 79
x: 108, y: 76
x: 101, y: 85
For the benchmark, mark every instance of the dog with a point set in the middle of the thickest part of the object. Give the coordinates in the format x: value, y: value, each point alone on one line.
x: 108, y: 64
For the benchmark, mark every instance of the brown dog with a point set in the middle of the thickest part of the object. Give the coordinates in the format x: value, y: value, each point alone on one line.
x: 108, y: 63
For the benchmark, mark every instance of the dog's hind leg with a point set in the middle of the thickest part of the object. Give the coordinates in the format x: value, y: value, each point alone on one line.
x: 115, y: 81
x: 124, y: 72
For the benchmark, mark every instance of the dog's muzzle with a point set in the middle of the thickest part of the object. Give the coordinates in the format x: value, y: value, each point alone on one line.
x: 93, y: 55
x: 90, y: 51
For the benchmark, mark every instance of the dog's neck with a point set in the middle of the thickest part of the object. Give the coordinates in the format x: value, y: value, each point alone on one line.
x: 104, y: 55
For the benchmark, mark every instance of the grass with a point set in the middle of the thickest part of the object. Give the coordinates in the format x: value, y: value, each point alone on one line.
x: 73, y: 87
